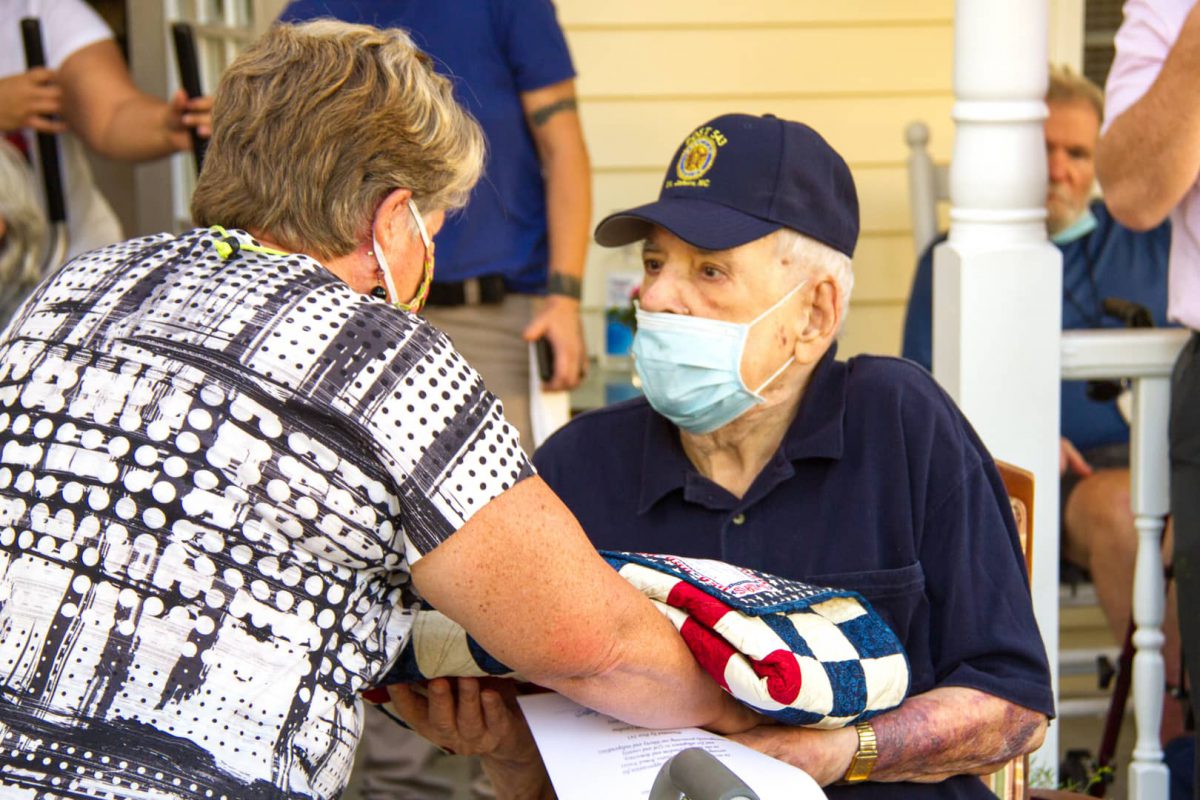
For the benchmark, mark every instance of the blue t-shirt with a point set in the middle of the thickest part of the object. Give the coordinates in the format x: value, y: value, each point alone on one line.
x: 880, y: 486
x: 494, y: 50
x: 1111, y: 261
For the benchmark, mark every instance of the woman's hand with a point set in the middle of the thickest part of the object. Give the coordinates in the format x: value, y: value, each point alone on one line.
x: 474, y: 719
x: 183, y: 115
x: 31, y: 100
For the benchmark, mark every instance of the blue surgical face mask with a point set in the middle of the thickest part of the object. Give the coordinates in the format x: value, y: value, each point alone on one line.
x: 1077, y: 229
x: 691, y: 368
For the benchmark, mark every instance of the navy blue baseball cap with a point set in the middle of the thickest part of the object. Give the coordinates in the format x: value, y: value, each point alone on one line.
x: 738, y: 178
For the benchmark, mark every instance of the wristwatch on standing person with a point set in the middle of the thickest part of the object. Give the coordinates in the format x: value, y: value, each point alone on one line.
x: 561, y: 283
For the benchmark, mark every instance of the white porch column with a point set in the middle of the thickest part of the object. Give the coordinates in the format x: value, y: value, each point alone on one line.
x: 1147, y: 357
x: 997, y: 290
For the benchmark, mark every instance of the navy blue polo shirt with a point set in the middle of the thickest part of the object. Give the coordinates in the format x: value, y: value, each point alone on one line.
x: 880, y: 486
x: 1111, y: 261
x: 493, y: 51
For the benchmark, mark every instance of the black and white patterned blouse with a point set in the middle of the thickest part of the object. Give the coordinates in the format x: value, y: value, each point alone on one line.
x: 214, y: 475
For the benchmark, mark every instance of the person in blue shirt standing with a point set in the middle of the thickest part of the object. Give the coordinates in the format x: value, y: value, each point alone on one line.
x: 510, y: 266
x: 1101, y: 259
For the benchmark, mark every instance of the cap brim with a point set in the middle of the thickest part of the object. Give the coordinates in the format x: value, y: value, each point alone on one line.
x: 700, y: 223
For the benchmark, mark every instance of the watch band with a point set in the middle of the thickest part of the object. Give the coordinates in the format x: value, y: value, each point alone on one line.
x: 565, y: 285
x: 864, y: 758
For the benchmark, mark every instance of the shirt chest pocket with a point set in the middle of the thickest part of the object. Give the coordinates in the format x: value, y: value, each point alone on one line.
x: 898, y: 595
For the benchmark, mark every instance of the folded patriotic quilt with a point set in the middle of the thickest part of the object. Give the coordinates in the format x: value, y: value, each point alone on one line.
x: 801, y: 654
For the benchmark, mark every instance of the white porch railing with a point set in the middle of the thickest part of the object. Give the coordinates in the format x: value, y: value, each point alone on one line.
x: 1146, y: 357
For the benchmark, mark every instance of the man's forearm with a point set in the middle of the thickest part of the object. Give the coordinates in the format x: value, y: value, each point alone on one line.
x: 1150, y: 155
x: 932, y: 736
x: 558, y: 135
x: 566, y: 172
x: 951, y: 731
x: 109, y: 113
x: 568, y: 207
x: 138, y: 131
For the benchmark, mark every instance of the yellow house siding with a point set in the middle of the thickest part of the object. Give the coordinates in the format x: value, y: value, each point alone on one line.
x: 857, y: 70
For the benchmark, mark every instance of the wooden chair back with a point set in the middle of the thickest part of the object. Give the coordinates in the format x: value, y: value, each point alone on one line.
x: 1011, y: 782
x: 1019, y: 485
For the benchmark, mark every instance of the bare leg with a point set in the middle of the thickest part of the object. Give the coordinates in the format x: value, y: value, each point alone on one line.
x: 1100, y: 536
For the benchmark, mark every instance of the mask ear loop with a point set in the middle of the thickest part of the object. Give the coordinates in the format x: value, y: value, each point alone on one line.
x: 758, y: 392
x: 418, y: 302
x: 777, y: 303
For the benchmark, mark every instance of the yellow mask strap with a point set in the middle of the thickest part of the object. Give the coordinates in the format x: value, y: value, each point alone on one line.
x: 228, y: 245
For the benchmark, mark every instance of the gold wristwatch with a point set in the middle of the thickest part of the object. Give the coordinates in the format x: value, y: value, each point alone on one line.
x: 864, y: 758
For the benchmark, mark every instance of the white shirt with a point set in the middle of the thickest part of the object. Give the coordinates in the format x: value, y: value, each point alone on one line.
x: 67, y: 26
x: 1146, y: 36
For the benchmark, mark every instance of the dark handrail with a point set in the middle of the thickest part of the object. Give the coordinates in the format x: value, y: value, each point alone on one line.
x: 189, y: 76
x: 47, y: 146
x: 57, y: 244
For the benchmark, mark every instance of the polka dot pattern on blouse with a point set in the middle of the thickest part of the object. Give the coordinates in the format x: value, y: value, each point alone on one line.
x: 214, y: 476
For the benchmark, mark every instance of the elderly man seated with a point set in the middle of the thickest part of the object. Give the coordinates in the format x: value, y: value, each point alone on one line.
x: 755, y: 445
x: 1101, y: 259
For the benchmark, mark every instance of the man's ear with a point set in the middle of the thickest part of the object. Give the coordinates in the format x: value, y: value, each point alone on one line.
x: 391, y: 219
x: 816, y: 329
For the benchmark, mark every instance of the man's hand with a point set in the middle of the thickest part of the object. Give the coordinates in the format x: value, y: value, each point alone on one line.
x: 825, y: 755
x: 473, y: 719
x: 559, y: 322
x: 31, y: 100
x: 1070, y: 459
x: 182, y: 115
x: 467, y: 719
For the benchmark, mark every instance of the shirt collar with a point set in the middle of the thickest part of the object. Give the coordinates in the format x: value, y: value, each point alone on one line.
x: 665, y: 466
x: 1081, y: 227
x: 815, y: 433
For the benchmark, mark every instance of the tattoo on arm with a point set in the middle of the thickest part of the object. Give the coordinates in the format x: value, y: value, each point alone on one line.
x: 540, y: 116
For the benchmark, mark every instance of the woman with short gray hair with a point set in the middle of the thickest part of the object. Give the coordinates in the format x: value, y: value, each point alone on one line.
x: 231, y: 460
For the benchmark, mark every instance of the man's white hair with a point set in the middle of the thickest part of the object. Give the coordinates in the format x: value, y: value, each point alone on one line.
x: 25, y: 237
x: 813, y: 256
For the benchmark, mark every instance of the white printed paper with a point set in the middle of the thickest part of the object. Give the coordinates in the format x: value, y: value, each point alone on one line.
x: 548, y: 411
x: 591, y: 756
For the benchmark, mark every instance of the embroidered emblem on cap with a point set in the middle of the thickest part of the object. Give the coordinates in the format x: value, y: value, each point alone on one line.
x: 696, y: 158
